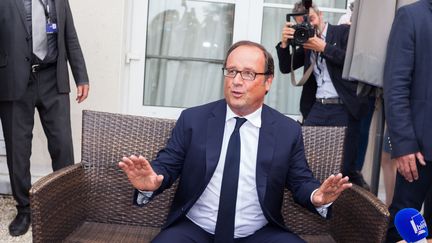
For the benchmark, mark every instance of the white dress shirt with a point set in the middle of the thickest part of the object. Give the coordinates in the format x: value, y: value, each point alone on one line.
x: 249, y: 216
x: 325, y: 88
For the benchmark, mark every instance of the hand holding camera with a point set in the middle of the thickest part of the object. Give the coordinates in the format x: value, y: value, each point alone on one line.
x: 303, y: 30
x: 287, y: 34
x: 315, y: 43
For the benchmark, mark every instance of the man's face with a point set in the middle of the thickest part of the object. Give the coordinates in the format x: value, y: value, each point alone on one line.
x: 245, y: 96
x: 315, y: 18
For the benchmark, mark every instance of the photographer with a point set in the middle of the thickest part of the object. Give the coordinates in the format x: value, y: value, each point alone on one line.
x: 326, y: 99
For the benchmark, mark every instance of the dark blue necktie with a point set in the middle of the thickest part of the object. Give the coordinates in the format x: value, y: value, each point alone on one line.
x: 224, y: 231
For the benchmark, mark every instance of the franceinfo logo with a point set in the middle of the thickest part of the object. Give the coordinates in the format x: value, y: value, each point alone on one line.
x: 418, y: 224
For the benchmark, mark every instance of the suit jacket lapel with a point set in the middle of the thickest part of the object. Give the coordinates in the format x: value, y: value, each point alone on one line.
x: 215, y: 130
x: 330, y: 35
x: 20, y: 5
x: 266, y: 145
x: 60, y: 12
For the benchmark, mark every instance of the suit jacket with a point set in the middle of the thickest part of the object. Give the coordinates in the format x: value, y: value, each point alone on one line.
x: 408, y: 82
x: 193, y: 151
x: 334, y: 56
x: 16, y: 50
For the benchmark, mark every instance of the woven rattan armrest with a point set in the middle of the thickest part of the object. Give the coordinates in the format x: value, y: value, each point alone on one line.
x: 58, y: 204
x: 358, y: 215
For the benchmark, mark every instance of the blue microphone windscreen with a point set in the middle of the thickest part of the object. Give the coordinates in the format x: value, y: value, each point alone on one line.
x: 411, y: 225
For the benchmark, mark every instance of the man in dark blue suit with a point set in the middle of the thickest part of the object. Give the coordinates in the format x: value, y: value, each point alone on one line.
x: 327, y: 99
x: 408, y: 103
x: 270, y: 158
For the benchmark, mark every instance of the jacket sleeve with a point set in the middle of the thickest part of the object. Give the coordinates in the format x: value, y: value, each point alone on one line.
x: 398, y: 71
x: 73, y: 49
x: 334, y: 52
x: 284, y: 57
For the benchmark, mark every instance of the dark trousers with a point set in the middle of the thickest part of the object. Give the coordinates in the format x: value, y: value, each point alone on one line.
x: 18, y: 120
x: 409, y: 195
x: 365, y: 123
x: 185, y: 231
x: 338, y: 115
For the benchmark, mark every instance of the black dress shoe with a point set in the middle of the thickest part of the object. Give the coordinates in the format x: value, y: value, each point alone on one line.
x: 20, y: 224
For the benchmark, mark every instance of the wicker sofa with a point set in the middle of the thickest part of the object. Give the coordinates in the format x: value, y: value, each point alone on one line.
x: 92, y: 201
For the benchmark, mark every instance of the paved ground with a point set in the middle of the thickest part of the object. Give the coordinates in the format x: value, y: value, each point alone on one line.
x: 7, y: 214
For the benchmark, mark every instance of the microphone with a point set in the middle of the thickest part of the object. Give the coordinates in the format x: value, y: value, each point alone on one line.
x: 411, y: 225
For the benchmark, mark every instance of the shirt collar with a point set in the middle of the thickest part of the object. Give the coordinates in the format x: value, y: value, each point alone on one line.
x: 254, y: 118
x: 324, y: 33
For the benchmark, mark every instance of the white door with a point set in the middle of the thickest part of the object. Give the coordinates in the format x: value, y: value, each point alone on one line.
x: 176, y: 49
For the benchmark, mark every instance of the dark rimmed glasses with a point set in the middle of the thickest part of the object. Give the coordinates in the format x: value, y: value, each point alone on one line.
x: 245, y: 74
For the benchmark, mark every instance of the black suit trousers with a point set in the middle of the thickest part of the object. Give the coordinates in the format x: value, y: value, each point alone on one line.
x: 18, y: 120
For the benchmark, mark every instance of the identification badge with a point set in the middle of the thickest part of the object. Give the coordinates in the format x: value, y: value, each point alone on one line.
x: 51, y: 28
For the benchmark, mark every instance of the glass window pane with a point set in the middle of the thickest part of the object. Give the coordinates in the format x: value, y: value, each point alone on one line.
x: 186, y: 45
x: 319, y: 3
x: 181, y: 83
x: 283, y: 96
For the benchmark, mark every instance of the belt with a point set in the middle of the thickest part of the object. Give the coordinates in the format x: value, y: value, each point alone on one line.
x: 41, y: 66
x: 329, y: 101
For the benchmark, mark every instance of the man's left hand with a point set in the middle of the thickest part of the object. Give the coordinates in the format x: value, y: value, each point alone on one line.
x: 82, y: 92
x: 330, y: 190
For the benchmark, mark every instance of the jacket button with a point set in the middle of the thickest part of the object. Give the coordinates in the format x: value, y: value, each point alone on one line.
x: 27, y: 59
x: 28, y: 38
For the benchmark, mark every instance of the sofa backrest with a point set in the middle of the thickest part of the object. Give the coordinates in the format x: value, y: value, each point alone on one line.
x: 106, y: 138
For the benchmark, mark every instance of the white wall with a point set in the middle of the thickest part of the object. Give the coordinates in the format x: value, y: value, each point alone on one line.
x: 100, y: 27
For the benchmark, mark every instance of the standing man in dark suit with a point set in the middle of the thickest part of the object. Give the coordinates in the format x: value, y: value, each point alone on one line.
x: 408, y: 107
x: 327, y: 99
x: 234, y: 158
x: 37, y: 38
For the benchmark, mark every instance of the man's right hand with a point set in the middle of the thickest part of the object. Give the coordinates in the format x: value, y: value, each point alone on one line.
x: 407, y: 167
x: 140, y: 173
x: 287, y: 34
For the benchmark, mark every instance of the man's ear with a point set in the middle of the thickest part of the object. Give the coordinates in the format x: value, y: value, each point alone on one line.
x: 268, y: 82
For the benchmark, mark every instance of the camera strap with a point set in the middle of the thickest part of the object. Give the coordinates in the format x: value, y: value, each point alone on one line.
x: 306, y: 75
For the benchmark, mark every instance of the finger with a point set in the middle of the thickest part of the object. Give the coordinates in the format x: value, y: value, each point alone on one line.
x: 122, y: 165
x: 413, y: 168
x: 144, y: 162
x: 343, y: 181
x: 343, y: 188
x: 136, y: 162
x: 79, y: 93
x: 159, y: 179
x: 127, y: 162
x: 327, y: 184
x: 337, y: 178
x: 406, y: 172
x: 420, y: 158
x: 84, y: 94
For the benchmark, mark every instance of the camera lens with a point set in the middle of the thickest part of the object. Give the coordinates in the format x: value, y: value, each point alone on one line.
x: 301, y: 35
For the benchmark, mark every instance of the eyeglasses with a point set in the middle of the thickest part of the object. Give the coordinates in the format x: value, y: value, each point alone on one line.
x: 246, y: 74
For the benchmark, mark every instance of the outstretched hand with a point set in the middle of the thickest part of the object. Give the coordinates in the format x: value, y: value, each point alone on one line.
x: 140, y: 173
x: 330, y: 190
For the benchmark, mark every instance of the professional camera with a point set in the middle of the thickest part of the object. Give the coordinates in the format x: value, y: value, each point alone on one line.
x: 304, y: 30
